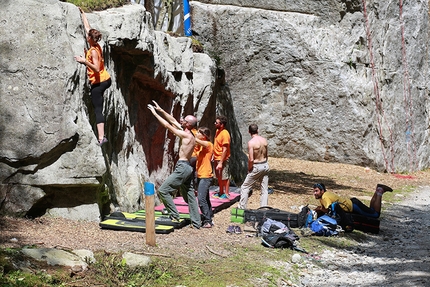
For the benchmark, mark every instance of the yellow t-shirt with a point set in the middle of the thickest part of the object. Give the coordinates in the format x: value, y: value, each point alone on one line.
x: 329, y: 197
x: 101, y: 76
x: 222, y: 138
x: 204, y: 165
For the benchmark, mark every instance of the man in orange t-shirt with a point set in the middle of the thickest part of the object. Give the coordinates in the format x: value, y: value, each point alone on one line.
x: 221, y: 156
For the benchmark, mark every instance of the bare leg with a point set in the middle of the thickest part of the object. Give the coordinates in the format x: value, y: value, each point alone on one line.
x: 376, y: 201
x: 220, y: 182
x: 227, y: 187
x: 101, y: 131
x: 218, y: 174
x: 222, y: 186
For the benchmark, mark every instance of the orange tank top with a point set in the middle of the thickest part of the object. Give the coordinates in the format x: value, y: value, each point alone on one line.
x: 101, y: 76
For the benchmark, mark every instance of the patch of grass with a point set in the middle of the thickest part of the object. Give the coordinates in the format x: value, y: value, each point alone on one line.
x: 253, y: 265
x: 403, y: 192
x: 15, y: 271
x: 196, y: 45
x: 97, y: 5
x: 111, y: 270
x: 314, y: 244
x: 245, y: 265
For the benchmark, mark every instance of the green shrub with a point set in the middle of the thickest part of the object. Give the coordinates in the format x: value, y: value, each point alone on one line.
x: 97, y: 5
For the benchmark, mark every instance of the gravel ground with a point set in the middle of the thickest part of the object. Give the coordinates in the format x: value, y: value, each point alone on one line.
x: 398, y: 256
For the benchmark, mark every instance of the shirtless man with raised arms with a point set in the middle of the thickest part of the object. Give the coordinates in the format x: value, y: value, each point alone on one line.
x: 258, y: 168
x: 182, y: 177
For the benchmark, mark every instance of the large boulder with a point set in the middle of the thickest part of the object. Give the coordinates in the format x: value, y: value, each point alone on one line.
x: 326, y: 80
x: 49, y: 157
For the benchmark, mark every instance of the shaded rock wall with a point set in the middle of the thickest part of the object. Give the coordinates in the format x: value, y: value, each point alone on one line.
x: 49, y: 157
x: 326, y: 80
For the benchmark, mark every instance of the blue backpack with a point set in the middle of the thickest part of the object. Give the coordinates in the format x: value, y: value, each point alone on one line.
x: 305, y: 217
x: 344, y: 219
x: 324, y: 226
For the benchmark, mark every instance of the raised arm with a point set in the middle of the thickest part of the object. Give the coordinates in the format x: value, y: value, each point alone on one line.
x: 202, y: 143
x: 166, y: 124
x: 85, y: 21
x: 167, y: 116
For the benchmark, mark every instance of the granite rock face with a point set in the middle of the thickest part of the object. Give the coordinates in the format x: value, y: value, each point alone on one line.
x: 49, y: 157
x: 326, y: 80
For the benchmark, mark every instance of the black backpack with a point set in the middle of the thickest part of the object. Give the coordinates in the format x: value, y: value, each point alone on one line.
x: 279, y: 240
x: 344, y: 219
x: 275, y: 234
x: 303, y: 216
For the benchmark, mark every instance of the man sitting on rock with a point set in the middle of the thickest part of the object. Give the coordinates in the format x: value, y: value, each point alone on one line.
x: 352, y: 205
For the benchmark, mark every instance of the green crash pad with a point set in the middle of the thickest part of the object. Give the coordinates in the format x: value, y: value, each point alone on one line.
x: 159, y: 213
x: 237, y: 212
x: 237, y: 219
x: 133, y: 225
x: 159, y: 218
x: 237, y: 215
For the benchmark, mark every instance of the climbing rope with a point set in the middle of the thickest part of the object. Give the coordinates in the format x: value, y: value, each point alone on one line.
x: 389, y: 165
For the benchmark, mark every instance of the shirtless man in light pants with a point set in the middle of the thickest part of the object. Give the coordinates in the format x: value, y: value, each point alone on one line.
x: 258, y: 168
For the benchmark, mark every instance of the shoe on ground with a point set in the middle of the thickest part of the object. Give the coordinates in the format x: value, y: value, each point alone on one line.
x: 237, y: 229
x: 165, y: 211
x: 174, y: 220
x: 215, y: 195
x: 230, y: 229
x: 224, y: 196
x: 384, y: 187
x: 207, y: 225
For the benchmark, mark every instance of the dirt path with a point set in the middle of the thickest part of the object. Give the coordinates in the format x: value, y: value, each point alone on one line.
x: 398, y: 256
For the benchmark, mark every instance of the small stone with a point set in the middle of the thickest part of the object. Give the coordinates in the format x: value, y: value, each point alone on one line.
x: 332, y: 267
x: 296, y: 258
x: 76, y: 268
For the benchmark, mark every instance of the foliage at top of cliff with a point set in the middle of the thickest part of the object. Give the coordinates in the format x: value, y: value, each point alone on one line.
x: 97, y: 5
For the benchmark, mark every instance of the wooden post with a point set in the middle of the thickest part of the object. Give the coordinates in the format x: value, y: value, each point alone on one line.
x: 149, y: 213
